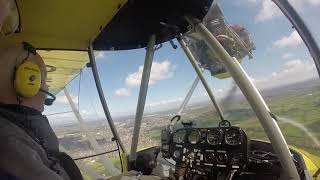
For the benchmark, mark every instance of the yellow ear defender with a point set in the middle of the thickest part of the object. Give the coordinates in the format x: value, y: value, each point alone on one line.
x: 27, y: 79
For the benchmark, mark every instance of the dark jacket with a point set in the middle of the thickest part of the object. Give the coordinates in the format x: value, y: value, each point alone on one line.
x: 28, y: 145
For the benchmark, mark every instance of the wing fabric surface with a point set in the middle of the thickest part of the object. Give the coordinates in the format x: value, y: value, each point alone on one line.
x: 65, y: 29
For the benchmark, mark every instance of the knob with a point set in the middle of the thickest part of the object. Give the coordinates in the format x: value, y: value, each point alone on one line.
x: 221, y: 158
x: 176, y: 154
x: 210, y: 157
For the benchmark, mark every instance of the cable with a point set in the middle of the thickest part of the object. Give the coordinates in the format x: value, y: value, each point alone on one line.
x: 65, y: 112
x: 79, y: 88
x: 168, y: 161
x: 86, y: 157
x: 91, y: 103
x: 97, y: 116
x: 122, y: 169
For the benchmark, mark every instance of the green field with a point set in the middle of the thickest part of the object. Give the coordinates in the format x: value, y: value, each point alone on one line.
x: 298, y: 105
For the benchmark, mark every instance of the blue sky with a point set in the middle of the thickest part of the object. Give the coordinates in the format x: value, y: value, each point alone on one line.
x: 279, y: 56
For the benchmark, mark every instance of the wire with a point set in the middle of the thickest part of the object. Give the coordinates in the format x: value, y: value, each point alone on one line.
x: 122, y: 169
x: 97, y: 116
x: 99, y: 154
x: 79, y: 89
x: 65, y: 112
x: 92, y: 105
x: 168, y: 161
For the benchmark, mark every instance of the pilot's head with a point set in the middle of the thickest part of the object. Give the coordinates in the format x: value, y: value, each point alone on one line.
x: 22, y: 75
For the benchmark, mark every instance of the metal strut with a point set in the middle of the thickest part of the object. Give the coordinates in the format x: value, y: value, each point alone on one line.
x: 253, y: 96
x: 95, y: 145
x: 188, y: 96
x: 200, y: 74
x: 103, y: 100
x: 142, y: 95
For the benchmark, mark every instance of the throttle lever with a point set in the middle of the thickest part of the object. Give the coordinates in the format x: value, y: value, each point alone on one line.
x: 231, y: 174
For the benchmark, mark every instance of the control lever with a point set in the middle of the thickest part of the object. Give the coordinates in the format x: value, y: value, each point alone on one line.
x: 231, y: 174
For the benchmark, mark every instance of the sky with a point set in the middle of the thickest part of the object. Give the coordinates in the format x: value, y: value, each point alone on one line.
x: 280, y: 58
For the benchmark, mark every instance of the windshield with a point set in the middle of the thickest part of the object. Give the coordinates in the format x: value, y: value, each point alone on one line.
x: 281, y: 68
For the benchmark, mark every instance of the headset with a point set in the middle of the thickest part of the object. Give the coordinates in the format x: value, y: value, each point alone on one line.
x: 27, y: 79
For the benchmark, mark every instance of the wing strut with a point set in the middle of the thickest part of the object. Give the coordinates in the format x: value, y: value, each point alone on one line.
x: 252, y: 95
x: 188, y: 96
x: 96, y: 147
x: 93, y: 66
x: 142, y: 95
x: 200, y: 75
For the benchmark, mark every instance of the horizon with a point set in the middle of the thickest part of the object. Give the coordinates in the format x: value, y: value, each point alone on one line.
x: 237, y: 96
x: 280, y: 58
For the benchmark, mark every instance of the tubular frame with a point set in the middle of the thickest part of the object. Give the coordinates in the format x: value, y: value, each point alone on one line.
x: 103, y: 101
x: 253, y: 96
x: 198, y: 70
x: 142, y: 95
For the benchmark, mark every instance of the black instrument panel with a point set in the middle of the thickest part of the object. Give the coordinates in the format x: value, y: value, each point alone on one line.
x: 219, y: 147
x: 222, y: 151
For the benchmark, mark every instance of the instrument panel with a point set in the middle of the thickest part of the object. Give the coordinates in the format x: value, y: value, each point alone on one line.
x: 206, y: 148
x: 222, y: 152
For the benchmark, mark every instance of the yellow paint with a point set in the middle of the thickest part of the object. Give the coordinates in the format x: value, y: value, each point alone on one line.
x: 61, y: 24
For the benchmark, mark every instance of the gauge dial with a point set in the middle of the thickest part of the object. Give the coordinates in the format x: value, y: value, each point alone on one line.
x: 179, y: 136
x: 233, y: 136
x: 176, y: 154
x: 194, y: 136
x: 209, y: 157
x: 214, y: 137
x: 224, y: 123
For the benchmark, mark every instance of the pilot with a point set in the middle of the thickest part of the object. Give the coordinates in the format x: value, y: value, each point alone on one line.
x: 29, y: 148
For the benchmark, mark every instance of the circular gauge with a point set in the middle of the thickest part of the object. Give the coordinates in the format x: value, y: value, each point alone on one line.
x: 233, y: 136
x: 194, y: 136
x: 214, y: 137
x: 178, y: 137
x: 209, y: 157
x: 176, y: 154
x: 224, y: 123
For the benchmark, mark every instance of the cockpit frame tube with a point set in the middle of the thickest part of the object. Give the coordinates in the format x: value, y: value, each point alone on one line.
x: 198, y: 70
x: 103, y: 101
x: 142, y: 95
x: 188, y: 96
x: 302, y: 29
x: 253, y: 96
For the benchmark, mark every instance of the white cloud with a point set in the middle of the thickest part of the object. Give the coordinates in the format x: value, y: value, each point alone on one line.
x: 64, y: 100
x: 293, y: 39
x: 287, y: 55
x: 123, y: 92
x: 252, y: 1
x: 165, y: 102
x: 100, y: 55
x: 293, y: 71
x: 159, y: 71
x: 248, y: 3
x: 314, y: 2
x: 269, y: 10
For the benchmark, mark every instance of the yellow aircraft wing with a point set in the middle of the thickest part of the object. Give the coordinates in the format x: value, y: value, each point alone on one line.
x: 62, y: 31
